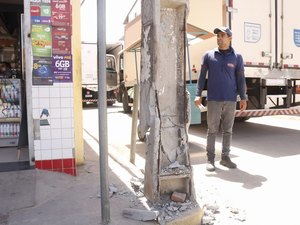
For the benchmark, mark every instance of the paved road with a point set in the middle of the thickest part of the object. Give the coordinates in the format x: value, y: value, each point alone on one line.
x: 264, y: 189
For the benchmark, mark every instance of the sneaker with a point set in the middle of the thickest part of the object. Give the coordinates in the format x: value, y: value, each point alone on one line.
x: 210, y: 166
x: 226, y: 161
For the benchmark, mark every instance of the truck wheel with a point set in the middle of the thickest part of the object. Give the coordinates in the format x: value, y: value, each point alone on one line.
x: 126, y: 107
x: 119, y: 95
x: 241, y: 119
x: 110, y: 103
x: 141, y: 138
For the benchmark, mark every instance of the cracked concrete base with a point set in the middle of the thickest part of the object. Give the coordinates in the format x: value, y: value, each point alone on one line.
x: 191, y: 217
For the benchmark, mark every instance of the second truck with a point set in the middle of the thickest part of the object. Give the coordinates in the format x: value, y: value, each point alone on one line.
x: 90, y: 75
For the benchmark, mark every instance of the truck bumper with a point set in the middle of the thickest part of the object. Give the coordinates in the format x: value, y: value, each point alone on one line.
x: 267, y: 112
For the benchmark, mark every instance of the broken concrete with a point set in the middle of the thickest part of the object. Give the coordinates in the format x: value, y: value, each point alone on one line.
x: 163, y: 101
x: 139, y: 214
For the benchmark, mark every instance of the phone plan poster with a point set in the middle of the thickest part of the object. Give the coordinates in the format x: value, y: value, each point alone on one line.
x: 61, y: 12
x: 62, y: 68
x: 40, y: 13
x: 41, y: 37
x: 61, y: 40
x: 42, y: 71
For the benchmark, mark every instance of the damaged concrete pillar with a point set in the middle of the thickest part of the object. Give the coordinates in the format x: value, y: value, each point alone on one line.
x: 163, y: 99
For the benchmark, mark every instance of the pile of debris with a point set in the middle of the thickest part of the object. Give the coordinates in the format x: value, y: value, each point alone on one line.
x: 169, y: 210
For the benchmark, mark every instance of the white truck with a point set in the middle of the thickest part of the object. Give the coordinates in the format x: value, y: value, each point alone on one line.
x: 90, y: 75
x: 266, y: 33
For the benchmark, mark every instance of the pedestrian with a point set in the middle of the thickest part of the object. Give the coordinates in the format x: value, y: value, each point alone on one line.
x: 223, y: 68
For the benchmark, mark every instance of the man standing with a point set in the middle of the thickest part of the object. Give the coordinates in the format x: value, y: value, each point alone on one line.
x: 225, y: 80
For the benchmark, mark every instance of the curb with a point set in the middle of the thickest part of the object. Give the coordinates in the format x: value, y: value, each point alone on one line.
x: 191, y: 217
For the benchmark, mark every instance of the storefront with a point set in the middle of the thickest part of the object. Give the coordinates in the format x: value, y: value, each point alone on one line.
x: 40, y: 84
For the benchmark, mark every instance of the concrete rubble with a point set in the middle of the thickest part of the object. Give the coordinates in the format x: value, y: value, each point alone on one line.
x: 162, y: 213
x: 139, y: 214
x: 220, y: 213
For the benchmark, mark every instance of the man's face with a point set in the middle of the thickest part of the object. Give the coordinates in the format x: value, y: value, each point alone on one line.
x: 223, y: 40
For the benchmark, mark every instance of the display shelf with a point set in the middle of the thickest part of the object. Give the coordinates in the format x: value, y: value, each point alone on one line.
x: 10, y: 120
x: 10, y: 111
x: 9, y: 142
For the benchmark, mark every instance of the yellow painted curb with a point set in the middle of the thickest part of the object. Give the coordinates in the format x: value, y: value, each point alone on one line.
x: 190, y: 217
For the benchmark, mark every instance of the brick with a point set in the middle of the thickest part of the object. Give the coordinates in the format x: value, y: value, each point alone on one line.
x: 178, y: 197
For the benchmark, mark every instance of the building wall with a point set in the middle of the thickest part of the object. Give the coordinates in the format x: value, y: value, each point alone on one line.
x: 54, y: 143
x: 54, y: 109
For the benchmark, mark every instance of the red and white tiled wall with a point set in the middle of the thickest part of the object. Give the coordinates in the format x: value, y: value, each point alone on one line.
x: 54, y: 138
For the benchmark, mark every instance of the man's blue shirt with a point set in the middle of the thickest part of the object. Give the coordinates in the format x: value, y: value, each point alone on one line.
x: 225, y: 77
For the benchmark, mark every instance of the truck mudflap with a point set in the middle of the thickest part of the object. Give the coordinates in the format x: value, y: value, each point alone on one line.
x: 89, y: 100
x: 95, y: 100
x: 267, y: 112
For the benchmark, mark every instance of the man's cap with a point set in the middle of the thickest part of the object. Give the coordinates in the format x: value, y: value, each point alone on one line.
x: 224, y: 30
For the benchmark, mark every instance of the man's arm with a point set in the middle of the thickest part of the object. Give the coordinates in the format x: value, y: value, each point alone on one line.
x: 200, y: 85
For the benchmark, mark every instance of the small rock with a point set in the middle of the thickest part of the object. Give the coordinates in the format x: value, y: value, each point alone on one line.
x: 174, y: 165
x: 112, y: 190
x: 209, y: 213
x: 207, y: 220
x: 234, y: 210
x: 212, y: 207
x: 136, y: 184
x: 168, y: 218
x: 183, y: 208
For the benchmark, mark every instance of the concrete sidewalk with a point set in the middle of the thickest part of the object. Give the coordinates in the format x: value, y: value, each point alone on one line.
x: 39, y: 197
x: 262, y: 190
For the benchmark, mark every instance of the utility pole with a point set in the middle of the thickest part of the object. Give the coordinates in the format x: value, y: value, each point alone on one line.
x: 102, y: 110
x: 163, y: 99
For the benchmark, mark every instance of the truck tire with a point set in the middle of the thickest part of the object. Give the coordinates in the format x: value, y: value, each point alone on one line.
x: 139, y: 133
x: 119, y: 94
x: 126, y: 106
x: 241, y: 119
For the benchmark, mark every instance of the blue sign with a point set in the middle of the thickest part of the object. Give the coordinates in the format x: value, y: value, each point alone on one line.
x: 297, y: 37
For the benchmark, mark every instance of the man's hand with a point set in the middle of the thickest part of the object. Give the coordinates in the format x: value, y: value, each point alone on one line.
x: 243, y: 105
x: 198, y: 101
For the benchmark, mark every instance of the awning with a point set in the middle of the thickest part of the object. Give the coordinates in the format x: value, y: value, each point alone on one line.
x: 194, y: 35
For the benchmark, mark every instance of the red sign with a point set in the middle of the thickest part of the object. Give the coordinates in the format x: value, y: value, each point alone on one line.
x: 35, y: 10
x: 61, y: 40
x: 61, y: 12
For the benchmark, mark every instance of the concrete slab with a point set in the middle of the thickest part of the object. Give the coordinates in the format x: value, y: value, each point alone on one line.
x: 62, y: 199
x: 138, y: 214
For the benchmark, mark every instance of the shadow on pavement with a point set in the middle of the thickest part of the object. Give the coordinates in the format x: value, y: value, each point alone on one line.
x: 259, y: 138
x: 61, y: 199
x: 249, y: 181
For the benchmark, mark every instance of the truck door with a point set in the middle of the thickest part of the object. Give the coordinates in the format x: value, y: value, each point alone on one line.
x: 252, y: 28
x: 266, y: 33
x: 289, y: 30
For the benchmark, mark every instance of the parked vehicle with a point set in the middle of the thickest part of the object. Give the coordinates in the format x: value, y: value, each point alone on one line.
x: 90, y: 75
x: 266, y: 33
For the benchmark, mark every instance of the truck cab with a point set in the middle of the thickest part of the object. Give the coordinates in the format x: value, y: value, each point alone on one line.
x: 90, y: 75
